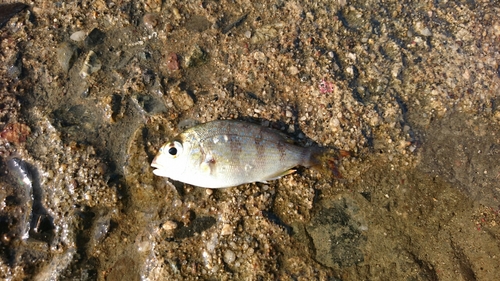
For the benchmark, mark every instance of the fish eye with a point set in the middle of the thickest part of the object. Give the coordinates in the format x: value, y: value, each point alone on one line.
x: 175, y: 148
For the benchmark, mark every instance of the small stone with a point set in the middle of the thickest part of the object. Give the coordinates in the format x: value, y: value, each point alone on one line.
x: 293, y: 70
x: 288, y: 114
x: 422, y: 29
x: 182, y: 99
x: 14, y: 71
x: 15, y: 133
x: 95, y: 37
x: 10, y: 10
x: 65, y: 54
x: 169, y: 225
x: 197, y: 57
x: 248, y: 34
x: 177, y: 15
x: 260, y: 57
x: 227, y: 229
x: 90, y: 65
x: 78, y: 36
x: 426, y: 32
x: 150, y: 20
x: 172, y: 62
x: 229, y: 256
x: 334, y: 123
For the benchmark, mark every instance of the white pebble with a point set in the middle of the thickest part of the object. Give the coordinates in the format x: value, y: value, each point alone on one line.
x: 293, y: 70
x: 426, y: 32
x: 226, y: 229
x: 78, y: 36
x: 260, y: 57
x: 229, y: 256
x: 169, y: 225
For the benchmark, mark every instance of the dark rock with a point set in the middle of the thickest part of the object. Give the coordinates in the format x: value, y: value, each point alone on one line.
x: 7, y: 11
x: 95, y: 37
x: 336, y: 232
x: 198, y: 225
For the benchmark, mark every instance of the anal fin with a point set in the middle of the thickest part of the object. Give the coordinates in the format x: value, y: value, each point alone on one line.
x: 279, y: 175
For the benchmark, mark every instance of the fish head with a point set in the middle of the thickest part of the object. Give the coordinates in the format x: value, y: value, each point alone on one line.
x: 172, y: 159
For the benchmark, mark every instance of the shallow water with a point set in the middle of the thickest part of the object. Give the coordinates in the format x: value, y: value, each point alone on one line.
x: 410, y: 89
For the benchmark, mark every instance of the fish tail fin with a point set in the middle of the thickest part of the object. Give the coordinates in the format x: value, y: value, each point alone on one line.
x: 326, y: 160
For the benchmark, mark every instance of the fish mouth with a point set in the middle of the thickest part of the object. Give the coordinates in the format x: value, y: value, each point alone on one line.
x: 154, y: 164
x: 159, y: 171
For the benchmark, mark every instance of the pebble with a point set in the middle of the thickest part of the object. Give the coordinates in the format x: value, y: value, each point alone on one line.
x: 90, y: 65
x: 14, y: 71
x: 181, y: 98
x: 150, y: 20
x: 426, y: 32
x: 293, y: 70
x: 229, y: 256
x: 9, y: 10
x: 169, y: 225
x: 172, y: 62
x: 78, y: 36
x: 15, y: 133
x: 226, y: 229
x: 260, y: 57
x: 422, y: 29
x: 95, y: 37
x: 197, y: 57
x: 65, y: 55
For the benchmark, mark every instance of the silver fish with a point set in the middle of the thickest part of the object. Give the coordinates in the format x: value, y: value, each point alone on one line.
x: 227, y: 153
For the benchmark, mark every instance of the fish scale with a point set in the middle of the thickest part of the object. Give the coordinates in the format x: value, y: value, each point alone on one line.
x: 227, y: 153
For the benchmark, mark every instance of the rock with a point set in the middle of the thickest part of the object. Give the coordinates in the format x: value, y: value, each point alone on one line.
x: 227, y: 229
x: 95, y: 37
x: 90, y: 65
x: 197, y: 24
x: 169, y: 225
x: 181, y: 98
x: 293, y: 70
x: 15, y: 133
x: 9, y: 10
x: 229, y: 256
x: 422, y: 29
x: 150, y: 20
x: 197, y: 57
x: 78, y: 36
x: 172, y: 62
x: 66, y: 54
x: 336, y: 233
x: 260, y: 56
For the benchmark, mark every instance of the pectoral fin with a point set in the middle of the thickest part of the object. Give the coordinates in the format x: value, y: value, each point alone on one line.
x: 208, y: 164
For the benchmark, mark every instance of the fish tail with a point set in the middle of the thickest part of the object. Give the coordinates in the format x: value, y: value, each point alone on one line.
x: 326, y: 160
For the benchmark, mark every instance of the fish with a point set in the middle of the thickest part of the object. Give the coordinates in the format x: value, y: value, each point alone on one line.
x: 226, y: 153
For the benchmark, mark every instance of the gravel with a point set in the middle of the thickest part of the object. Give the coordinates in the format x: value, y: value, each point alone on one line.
x: 409, y: 89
